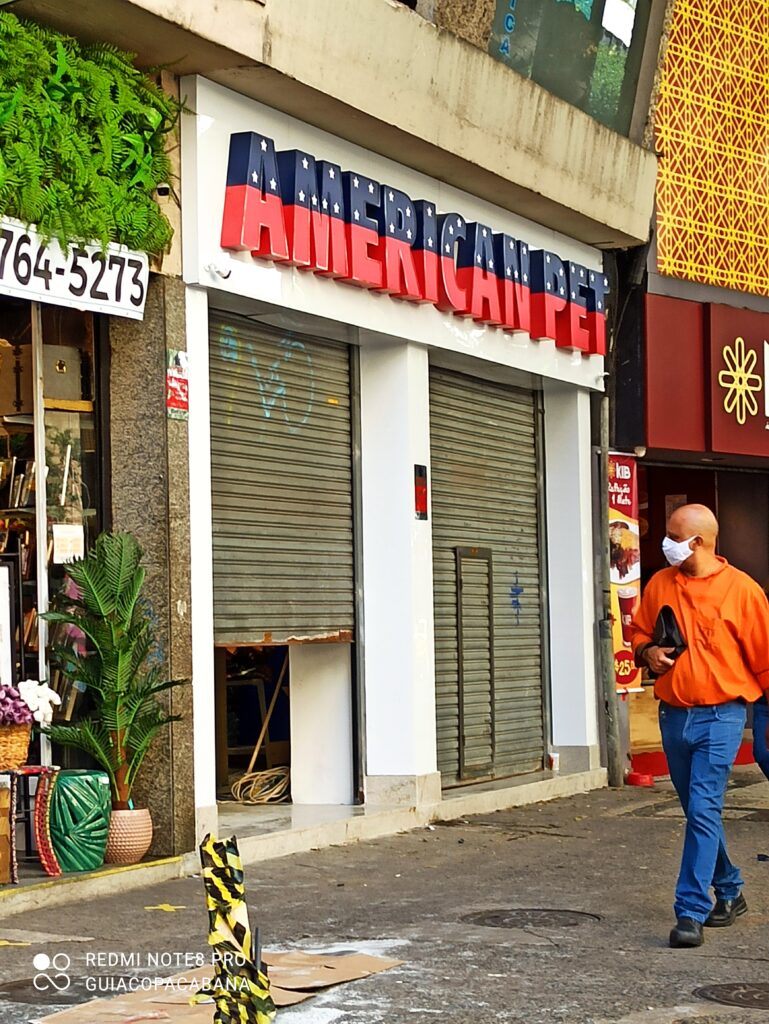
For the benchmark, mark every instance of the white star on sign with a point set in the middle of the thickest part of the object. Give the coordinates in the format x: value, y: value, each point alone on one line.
x: 560, y: 272
x: 581, y: 272
x: 524, y: 250
x: 512, y: 245
x: 478, y: 258
x: 600, y: 306
x: 264, y: 145
x: 573, y: 295
x: 302, y: 196
x: 336, y: 207
x: 331, y: 172
x: 355, y: 181
x: 561, y: 291
x: 356, y: 215
x: 325, y: 203
x: 390, y: 196
x: 314, y: 200
x: 305, y: 162
x: 606, y: 282
x: 392, y: 228
x: 408, y: 233
x: 547, y: 258
x: 448, y: 248
x: 273, y: 184
x: 548, y: 286
x: 491, y: 264
x: 525, y: 278
x: 254, y: 177
x: 592, y: 277
x: 485, y: 232
x: 451, y: 229
x: 429, y: 211
x: 408, y: 211
x: 459, y: 222
x: 430, y: 242
x: 509, y: 271
x: 371, y: 187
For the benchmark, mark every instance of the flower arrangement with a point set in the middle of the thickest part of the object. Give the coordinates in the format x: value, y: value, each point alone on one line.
x: 13, y: 710
x: 31, y: 701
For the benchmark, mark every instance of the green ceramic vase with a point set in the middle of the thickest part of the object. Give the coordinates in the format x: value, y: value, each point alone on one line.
x: 80, y: 804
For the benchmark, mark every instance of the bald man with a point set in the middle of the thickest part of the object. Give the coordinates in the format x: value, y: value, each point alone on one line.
x: 723, y: 616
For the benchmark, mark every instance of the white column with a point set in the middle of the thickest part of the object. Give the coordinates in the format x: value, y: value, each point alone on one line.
x: 399, y: 650
x: 201, y: 565
x: 573, y: 677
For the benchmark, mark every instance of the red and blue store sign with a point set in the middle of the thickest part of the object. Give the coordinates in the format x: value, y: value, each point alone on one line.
x: 291, y: 208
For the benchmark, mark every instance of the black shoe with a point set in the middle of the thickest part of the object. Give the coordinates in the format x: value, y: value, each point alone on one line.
x: 726, y: 912
x: 687, y: 932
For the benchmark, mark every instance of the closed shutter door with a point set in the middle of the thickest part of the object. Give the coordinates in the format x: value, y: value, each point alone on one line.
x: 281, y: 472
x: 485, y: 506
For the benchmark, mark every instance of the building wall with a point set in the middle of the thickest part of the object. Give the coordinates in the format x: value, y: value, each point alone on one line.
x: 469, y: 19
x: 393, y: 82
x: 150, y: 498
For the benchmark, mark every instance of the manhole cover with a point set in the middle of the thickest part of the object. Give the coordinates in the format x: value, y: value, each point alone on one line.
x: 25, y: 992
x: 754, y: 996
x: 521, y: 917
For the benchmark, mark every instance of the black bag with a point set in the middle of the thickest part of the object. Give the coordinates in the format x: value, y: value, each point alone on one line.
x: 667, y: 633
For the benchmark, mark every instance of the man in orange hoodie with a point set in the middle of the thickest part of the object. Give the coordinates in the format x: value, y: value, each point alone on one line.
x: 723, y: 616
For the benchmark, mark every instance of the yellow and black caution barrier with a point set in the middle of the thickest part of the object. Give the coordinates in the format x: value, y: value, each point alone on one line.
x: 240, y: 987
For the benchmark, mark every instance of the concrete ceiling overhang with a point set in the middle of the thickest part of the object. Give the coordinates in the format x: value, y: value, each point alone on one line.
x: 420, y: 96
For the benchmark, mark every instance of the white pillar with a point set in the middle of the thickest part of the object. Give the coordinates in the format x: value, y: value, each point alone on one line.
x: 201, y: 565
x: 399, y: 654
x: 573, y: 677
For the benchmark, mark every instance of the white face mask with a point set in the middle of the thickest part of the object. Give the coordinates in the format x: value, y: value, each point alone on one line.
x: 677, y: 551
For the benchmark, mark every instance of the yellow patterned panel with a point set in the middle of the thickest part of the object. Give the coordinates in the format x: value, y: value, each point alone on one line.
x: 713, y: 132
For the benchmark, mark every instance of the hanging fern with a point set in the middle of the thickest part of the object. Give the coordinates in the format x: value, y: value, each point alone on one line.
x: 82, y: 140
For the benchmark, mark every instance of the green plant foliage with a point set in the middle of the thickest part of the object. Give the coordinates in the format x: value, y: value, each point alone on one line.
x: 82, y: 140
x: 117, y: 667
x: 607, y: 80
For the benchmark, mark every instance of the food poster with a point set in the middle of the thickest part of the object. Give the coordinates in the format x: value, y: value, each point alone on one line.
x: 625, y: 565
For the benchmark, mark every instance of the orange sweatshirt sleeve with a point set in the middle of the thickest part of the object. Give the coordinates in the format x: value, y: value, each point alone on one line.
x: 645, y: 618
x: 755, y: 639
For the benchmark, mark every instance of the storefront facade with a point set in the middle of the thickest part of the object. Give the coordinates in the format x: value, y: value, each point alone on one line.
x: 392, y: 378
x: 55, y: 313
x: 701, y: 391
x: 691, y: 380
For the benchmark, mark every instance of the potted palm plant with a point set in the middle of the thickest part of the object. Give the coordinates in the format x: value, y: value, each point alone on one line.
x: 115, y: 663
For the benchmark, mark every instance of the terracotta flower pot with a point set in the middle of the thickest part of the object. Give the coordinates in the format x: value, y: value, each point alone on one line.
x: 130, y: 835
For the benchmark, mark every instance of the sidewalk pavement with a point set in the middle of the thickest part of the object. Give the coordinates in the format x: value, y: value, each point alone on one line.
x: 611, y: 854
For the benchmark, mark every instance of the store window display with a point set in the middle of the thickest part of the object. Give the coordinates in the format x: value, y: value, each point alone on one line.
x: 48, y: 515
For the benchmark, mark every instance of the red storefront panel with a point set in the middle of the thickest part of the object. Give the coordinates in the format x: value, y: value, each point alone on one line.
x: 739, y: 407
x: 676, y: 387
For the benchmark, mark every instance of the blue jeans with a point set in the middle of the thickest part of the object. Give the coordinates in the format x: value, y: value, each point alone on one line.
x: 760, y: 722
x: 701, y: 744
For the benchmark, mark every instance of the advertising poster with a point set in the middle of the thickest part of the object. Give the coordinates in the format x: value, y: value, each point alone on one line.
x: 625, y: 565
x: 177, y: 386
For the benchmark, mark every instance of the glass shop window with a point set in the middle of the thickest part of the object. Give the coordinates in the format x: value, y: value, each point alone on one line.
x: 587, y: 52
x: 49, y: 474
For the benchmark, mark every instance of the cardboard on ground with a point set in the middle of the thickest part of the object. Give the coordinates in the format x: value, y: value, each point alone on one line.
x: 294, y: 977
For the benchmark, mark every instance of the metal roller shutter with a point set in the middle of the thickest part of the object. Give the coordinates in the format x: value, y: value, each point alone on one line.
x: 485, y: 510
x: 281, y: 472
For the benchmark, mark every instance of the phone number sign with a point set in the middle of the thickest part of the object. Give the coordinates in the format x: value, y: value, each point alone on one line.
x: 114, y: 281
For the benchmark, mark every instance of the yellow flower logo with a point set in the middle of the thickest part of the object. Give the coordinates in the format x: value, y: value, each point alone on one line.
x: 739, y: 381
